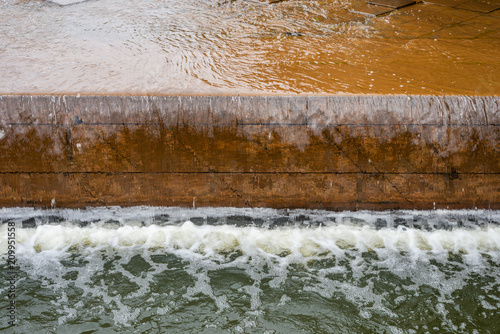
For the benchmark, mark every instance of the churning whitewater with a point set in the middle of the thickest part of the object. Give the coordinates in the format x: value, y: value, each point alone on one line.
x: 254, y: 270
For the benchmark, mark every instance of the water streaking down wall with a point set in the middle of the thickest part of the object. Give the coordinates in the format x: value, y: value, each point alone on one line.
x: 335, y: 152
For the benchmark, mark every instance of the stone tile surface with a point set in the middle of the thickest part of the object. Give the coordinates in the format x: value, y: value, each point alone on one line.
x: 495, y: 35
x: 449, y: 3
x: 479, y: 27
x: 495, y: 13
x: 415, y: 29
x: 446, y: 16
x: 481, y: 7
x: 423, y: 19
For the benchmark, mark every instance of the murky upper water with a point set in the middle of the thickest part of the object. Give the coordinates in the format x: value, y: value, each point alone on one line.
x: 171, y: 270
x: 243, y: 46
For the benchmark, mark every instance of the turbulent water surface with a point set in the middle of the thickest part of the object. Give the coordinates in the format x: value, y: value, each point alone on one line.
x: 244, y: 47
x: 171, y: 270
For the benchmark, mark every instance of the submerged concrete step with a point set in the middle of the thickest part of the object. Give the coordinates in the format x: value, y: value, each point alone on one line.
x: 392, y: 3
x: 371, y: 10
x: 330, y: 152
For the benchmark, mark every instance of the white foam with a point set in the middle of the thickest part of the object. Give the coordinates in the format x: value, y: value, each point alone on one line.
x: 292, y: 242
x: 342, y: 259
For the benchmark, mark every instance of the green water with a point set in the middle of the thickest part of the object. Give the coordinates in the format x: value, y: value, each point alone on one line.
x: 187, y: 278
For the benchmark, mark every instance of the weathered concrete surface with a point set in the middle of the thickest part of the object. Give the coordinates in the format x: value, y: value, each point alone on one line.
x: 338, y: 152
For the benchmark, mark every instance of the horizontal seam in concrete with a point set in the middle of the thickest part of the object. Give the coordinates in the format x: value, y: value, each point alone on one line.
x: 251, y: 173
x: 247, y: 124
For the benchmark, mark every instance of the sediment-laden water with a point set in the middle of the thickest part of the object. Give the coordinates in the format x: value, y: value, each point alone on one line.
x: 171, y: 270
x: 244, y: 47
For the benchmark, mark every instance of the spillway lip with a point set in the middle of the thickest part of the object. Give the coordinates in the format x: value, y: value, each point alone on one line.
x: 242, y: 110
x: 239, y: 94
x: 143, y: 216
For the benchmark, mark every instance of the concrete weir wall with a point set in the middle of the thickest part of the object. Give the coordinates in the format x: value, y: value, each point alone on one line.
x: 328, y: 152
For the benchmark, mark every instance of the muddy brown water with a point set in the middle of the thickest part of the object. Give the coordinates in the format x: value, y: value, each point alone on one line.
x: 245, y: 47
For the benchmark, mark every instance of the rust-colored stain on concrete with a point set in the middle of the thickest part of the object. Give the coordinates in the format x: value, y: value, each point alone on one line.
x: 268, y: 148
x: 436, y: 47
x: 357, y: 152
